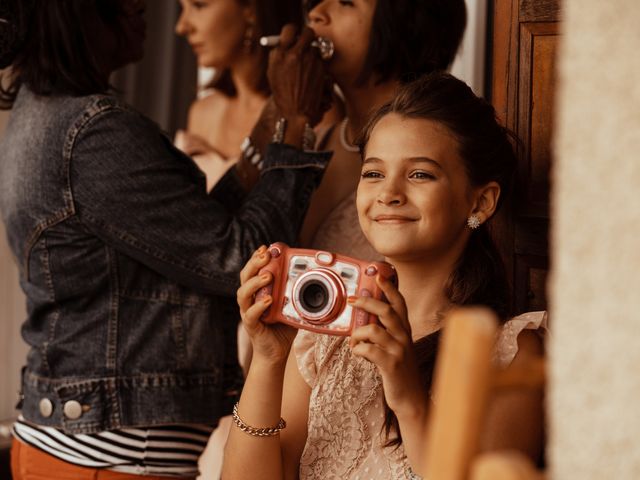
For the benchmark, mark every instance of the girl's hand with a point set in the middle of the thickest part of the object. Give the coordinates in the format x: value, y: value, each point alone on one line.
x: 271, y: 342
x: 390, y: 347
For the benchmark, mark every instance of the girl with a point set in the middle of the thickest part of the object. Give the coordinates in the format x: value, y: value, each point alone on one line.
x: 436, y: 167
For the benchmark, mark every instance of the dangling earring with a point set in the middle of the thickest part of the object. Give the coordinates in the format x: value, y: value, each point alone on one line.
x: 473, y: 222
x: 248, y: 40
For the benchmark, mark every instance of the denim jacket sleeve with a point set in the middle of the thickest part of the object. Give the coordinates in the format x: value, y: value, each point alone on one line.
x: 141, y: 195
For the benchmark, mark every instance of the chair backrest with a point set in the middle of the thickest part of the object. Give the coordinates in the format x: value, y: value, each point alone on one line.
x: 461, y: 386
x: 464, y: 379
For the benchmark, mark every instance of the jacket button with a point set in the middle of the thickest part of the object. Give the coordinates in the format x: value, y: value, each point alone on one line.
x: 46, y: 407
x: 72, y: 410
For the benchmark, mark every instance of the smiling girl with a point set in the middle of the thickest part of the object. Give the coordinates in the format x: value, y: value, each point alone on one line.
x: 436, y: 167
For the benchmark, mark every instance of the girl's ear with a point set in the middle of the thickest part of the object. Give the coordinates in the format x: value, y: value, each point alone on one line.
x: 486, y: 201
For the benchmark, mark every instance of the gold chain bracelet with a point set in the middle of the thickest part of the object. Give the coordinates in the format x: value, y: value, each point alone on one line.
x: 257, y: 432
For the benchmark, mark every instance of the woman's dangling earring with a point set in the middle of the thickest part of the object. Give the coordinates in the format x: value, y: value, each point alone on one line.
x: 473, y: 222
x: 248, y: 41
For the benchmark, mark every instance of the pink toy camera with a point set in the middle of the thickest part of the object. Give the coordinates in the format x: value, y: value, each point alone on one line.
x: 310, y: 289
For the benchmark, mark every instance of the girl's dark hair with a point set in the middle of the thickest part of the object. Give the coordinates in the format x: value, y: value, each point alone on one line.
x: 486, y: 149
x: 412, y: 37
x: 271, y: 16
x: 48, y: 47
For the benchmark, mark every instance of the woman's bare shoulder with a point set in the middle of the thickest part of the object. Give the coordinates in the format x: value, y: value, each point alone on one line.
x: 204, y: 110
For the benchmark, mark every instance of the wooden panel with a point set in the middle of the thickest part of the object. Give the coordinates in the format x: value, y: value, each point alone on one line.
x: 504, y: 58
x: 537, y: 80
x: 539, y: 10
x: 525, y: 39
x: 531, y: 237
x: 531, y: 283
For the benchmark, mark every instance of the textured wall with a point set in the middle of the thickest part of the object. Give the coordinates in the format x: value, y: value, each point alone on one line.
x: 595, y: 287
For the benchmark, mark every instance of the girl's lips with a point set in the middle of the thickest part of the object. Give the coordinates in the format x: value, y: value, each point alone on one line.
x: 392, y: 219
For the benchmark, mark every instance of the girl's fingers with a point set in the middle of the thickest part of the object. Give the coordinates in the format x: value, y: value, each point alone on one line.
x: 246, y: 292
x: 251, y: 316
x: 386, y: 314
x: 258, y: 260
x: 395, y: 299
x: 377, y: 335
x: 371, y: 352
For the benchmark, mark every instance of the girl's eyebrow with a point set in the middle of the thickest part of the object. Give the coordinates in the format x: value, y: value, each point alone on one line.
x: 428, y: 160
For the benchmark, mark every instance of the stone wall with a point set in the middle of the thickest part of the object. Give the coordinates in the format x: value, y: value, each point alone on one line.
x: 595, y: 288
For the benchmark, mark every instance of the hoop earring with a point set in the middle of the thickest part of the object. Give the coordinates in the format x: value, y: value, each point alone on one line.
x: 473, y: 222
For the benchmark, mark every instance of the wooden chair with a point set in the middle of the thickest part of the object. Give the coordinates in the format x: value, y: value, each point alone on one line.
x: 464, y: 379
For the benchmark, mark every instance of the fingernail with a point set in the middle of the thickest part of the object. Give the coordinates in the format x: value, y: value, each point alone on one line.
x: 267, y: 300
x: 262, y: 256
x: 262, y: 250
x: 264, y: 276
x: 351, y: 299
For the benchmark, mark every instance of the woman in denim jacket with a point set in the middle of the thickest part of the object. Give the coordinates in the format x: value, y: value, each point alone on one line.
x: 128, y: 265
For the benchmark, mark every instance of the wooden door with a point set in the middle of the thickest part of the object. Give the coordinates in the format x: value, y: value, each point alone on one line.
x: 524, y: 49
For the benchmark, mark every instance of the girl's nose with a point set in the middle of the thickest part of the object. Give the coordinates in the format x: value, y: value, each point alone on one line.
x: 390, y: 195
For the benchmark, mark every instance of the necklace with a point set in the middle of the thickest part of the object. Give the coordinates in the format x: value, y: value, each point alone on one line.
x: 349, y: 147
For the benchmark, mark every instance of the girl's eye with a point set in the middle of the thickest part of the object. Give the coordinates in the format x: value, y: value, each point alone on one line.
x: 371, y: 174
x: 422, y: 175
x: 347, y: 3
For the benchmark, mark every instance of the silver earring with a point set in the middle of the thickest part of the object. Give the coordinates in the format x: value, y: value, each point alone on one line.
x: 473, y: 222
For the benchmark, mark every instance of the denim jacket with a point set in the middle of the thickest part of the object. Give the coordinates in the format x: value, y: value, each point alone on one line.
x: 129, y: 267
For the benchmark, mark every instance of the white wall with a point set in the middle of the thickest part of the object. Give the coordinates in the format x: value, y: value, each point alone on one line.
x: 469, y: 64
x: 595, y: 283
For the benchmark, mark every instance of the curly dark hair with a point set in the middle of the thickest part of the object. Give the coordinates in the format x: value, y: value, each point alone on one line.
x: 13, y: 18
x: 47, y: 45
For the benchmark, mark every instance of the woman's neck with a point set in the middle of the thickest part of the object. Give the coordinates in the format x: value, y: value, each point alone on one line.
x: 245, y: 74
x: 361, y: 100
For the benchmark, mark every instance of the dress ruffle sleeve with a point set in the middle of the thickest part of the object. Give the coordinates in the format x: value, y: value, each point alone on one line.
x: 304, y: 348
x: 507, y: 342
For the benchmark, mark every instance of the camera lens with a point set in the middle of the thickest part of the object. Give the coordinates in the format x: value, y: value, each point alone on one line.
x: 318, y: 296
x: 314, y: 296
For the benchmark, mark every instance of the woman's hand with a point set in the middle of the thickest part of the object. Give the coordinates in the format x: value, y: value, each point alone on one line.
x: 297, y: 76
x: 271, y: 342
x: 389, y: 346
